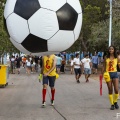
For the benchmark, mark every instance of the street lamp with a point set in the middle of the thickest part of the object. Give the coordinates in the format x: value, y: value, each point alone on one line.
x: 110, y: 23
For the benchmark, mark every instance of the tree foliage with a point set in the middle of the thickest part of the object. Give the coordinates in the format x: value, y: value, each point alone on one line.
x: 5, y: 44
x: 100, y: 31
x: 93, y: 12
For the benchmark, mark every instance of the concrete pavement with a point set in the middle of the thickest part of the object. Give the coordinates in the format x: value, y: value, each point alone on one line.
x: 21, y: 100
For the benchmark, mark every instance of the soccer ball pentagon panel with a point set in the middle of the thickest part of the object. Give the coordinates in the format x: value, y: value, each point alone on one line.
x: 43, y: 26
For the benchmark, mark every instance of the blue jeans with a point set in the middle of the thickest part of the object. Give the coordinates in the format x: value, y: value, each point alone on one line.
x: 87, y: 71
x: 50, y: 79
x: 113, y: 75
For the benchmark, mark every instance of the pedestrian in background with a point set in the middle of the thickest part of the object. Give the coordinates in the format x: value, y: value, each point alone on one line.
x: 95, y: 63
x: 59, y: 63
x: 77, y: 68
x: 62, y: 69
x: 72, y: 64
x: 12, y: 64
x: 28, y: 66
x: 87, y: 65
x: 18, y: 63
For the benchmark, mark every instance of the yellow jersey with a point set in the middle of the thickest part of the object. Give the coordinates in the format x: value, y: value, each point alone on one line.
x: 48, y: 64
x: 111, y: 65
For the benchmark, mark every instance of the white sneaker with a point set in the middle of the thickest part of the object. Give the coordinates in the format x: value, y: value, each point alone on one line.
x: 52, y: 102
x: 43, y: 104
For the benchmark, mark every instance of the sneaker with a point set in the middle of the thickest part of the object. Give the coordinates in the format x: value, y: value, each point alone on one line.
x: 43, y: 104
x: 52, y: 102
x: 116, y: 105
x: 78, y: 81
x: 112, y: 107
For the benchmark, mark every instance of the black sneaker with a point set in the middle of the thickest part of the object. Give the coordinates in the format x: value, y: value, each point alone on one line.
x: 112, y: 107
x: 116, y: 105
x: 78, y: 81
x: 52, y: 102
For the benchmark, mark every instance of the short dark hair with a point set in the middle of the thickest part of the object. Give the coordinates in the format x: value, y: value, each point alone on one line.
x: 86, y: 55
x: 77, y: 54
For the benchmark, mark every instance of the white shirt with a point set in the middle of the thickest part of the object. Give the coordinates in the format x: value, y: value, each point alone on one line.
x: 12, y: 59
x: 77, y: 61
x: 86, y: 62
x: 28, y: 63
x: 72, y: 61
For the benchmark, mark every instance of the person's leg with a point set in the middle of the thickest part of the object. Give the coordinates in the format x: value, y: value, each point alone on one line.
x: 119, y: 84
x: 63, y: 68
x: 79, y: 74
x: 89, y: 73
x: 93, y: 68
x: 58, y: 69
x: 13, y: 69
x: 52, y: 84
x: 110, y: 93
x: 45, y: 84
x: 18, y: 69
x: 71, y: 69
x: 75, y: 73
x: 33, y: 68
x: 96, y: 67
x: 116, y: 94
x: 86, y: 75
x: 29, y: 70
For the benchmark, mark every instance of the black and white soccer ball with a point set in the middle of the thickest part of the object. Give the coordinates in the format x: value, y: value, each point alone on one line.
x: 43, y: 26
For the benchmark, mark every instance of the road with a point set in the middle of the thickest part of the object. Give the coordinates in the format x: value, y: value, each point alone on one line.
x: 21, y: 100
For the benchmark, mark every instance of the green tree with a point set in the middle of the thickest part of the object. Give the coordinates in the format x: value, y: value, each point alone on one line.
x: 5, y: 44
x: 100, y: 31
x: 93, y: 12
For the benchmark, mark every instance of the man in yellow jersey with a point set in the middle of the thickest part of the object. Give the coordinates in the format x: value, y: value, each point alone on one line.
x: 49, y: 75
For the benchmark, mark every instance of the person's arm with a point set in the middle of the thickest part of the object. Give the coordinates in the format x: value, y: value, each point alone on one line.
x: 90, y: 64
x: 118, y: 61
x: 53, y: 67
x: 82, y: 64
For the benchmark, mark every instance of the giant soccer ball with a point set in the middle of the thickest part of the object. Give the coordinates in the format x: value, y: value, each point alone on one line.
x: 43, y: 26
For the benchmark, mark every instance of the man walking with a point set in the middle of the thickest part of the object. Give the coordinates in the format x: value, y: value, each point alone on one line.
x: 87, y: 67
x: 77, y: 68
x: 95, y: 63
x: 49, y: 75
x: 59, y: 62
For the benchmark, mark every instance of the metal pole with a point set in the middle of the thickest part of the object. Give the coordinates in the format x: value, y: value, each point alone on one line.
x: 110, y: 23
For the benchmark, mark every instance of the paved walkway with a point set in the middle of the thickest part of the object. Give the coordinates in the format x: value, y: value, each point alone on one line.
x: 21, y: 100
